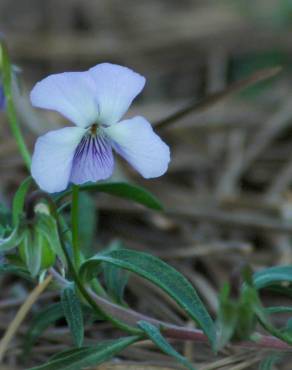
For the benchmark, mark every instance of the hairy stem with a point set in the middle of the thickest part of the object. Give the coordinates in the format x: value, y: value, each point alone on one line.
x: 131, y: 317
x: 84, y: 292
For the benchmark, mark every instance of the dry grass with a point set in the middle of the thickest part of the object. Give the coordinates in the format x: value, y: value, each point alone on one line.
x: 227, y: 194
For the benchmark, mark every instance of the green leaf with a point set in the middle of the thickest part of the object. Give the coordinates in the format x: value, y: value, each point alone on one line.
x: 40, y: 323
x: 154, y: 334
x: 272, y: 276
x: 269, y: 362
x: 278, y: 309
x: 115, y: 278
x: 227, y: 318
x: 19, y: 199
x: 246, y: 322
x: 123, y: 190
x: 5, y: 219
x: 12, y: 241
x: 160, y: 274
x: 259, y: 310
x: 73, y: 314
x: 16, y: 270
x: 88, y: 356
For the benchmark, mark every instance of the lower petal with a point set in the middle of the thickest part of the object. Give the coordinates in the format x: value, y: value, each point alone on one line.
x: 53, y: 157
x: 135, y: 141
x: 93, y: 160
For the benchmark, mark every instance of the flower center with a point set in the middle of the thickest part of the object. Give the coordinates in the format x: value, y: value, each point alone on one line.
x: 94, y: 129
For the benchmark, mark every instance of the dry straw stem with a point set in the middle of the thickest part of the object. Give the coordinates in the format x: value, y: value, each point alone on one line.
x: 212, y: 99
x: 21, y: 314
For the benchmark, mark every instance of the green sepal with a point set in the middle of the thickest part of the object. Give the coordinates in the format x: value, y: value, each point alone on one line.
x: 30, y: 250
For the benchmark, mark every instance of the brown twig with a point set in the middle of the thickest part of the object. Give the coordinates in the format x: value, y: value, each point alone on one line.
x: 21, y: 314
x: 218, y: 96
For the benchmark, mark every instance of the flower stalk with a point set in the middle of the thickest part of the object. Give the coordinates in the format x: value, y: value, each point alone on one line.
x: 75, y: 226
x: 7, y: 79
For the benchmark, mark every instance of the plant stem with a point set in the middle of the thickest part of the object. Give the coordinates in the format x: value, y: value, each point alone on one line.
x: 75, y: 238
x: 7, y: 78
x: 131, y: 317
x: 103, y: 313
x: 116, y: 322
x: 98, y: 288
x: 75, y: 226
x: 10, y: 109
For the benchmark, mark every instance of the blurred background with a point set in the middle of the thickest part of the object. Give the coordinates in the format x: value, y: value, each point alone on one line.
x: 227, y: 193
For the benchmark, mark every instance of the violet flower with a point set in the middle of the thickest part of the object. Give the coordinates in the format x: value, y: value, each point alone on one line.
x: 94, y: 101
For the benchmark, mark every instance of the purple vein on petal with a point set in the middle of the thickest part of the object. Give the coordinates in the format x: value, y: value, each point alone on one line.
x: 93, y: 159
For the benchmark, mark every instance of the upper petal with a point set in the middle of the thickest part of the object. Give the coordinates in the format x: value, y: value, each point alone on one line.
x: 135, y: 140
x: 53, y: 157
x: 70, y: 93
x: 115, y: 88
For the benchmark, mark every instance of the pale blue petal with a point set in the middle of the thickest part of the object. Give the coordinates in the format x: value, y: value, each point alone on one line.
x: 115, y: 89
x: 53, y: 157
x: 93, y: 160
x: 71, y: 93
x: 135, y: 140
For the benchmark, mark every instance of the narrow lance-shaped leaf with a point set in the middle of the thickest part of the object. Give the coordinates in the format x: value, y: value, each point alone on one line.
x: 162, y: 275
x: 269, y: 362
x: 284, y: 335
x: 226, y: 318
x: 16, y: 270
x: 40, y: 322
x: 122, y: 190
x: 154, y: 334
x: 115, y: 278
x: 19, y: 199
x: 260, y: 312
x: 81, y: 358
x: 73, y: 314
x: 278, y: 309
x: 272, y: 276
x: 12, y: 240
